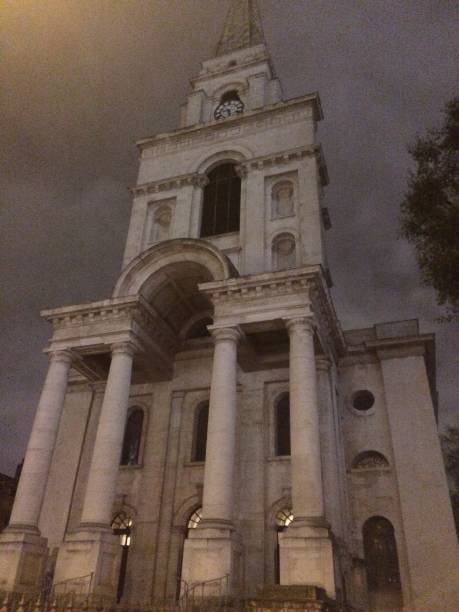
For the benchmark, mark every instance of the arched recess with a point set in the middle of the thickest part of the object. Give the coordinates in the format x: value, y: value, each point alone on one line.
x: 221, y: 201
x: 122, y: 525
x: 214, y: 156
x: 278, y: 518
x: 181, y: 524
x: 180, y: 251
x: 284, y: 251
x: 382, y: 565
x: 369, y: 459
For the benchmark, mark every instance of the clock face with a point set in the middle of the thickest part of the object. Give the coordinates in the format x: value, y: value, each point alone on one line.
x: 228, y: 109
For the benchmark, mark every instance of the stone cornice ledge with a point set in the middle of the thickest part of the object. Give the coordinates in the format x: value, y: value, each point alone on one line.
x: 200, y: 180
x: 259, y: 286
x: 246, y: 118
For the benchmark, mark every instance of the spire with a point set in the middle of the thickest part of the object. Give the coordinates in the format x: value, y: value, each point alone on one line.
x: 242, y: 27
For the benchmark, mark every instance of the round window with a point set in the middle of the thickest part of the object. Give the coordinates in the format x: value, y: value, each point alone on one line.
x: 363, y: 400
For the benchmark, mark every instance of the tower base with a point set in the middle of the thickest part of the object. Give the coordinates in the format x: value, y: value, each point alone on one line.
x: 306, y: 557
x: 22, y: 561
x: 88, y: 563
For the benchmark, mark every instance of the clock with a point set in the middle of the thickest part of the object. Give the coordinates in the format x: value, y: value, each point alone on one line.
x: 229, y: 108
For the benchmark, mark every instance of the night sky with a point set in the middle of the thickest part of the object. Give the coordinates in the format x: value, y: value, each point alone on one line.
x: 83, y: 79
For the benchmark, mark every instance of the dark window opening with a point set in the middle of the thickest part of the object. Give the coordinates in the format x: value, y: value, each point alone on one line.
x: 200, y: 432
x: 122, y: 526
x: 381, y: 561
x: 283, y: 519
x: 221, y: 202
x: 132, y: 437
x: 283, y: 425
x: 363, y: 400
x: 199, y: 329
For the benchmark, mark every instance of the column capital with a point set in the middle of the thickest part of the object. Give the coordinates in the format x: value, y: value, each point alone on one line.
x: 125, y: 347
x: 225, y: 333
x: 64, y: 356
x: 241, y: 170
x: 200, y: 180
x: 323, y: 364
x: 299, y: 324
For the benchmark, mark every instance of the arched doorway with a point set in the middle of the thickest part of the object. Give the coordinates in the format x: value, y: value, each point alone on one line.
x: 381, y: 563
x: 283, y: 519
x: 193, y: 521
x: 122, y: 527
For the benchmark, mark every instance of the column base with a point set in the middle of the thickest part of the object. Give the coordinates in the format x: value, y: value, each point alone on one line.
x: 88, y: 563
x: 22, y: 560
x: 306, y: 556
x: 212, y: 555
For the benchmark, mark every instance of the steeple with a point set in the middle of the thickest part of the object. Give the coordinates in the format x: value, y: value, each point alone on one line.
x: 243, y: 27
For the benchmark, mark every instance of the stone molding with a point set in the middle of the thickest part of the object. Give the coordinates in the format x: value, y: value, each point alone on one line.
x: 264, y: 287
x: 301, y: 324
x: 249, y: 123
x: 134, y: 311
x: 176, y: 182
x: 221, y: 334
x: 256, y: 163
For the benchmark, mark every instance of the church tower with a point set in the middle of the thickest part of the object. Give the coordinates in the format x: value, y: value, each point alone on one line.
x: 210, y: 430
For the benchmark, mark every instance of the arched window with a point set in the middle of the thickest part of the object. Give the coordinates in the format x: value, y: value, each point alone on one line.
x: 122, y: 526
x: 200, y: 432
x: 381, y: 562
x: 369, y: 460
x: 282, y: 425
x: 194, y: 519
x: 221, y: 201
x: 132, y: 437
x: 284, y: 252
x: 283, y: 519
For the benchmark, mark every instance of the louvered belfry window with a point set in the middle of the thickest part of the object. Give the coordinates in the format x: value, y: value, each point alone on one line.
x: 221, y: 202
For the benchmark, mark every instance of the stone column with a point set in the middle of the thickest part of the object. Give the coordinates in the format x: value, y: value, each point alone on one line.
x: 307, y: 488
x: 212, y: 550
x: 101, y: 487
x: 218, y: 491
x: 22, y: 550
x: 93, y: 550
x: 31, y: 489
x: 306, y: 555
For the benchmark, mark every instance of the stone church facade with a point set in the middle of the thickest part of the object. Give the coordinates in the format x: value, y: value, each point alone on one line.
x: 211, y: 422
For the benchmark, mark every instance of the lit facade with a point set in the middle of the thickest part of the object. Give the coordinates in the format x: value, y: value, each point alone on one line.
x: 211, y: 420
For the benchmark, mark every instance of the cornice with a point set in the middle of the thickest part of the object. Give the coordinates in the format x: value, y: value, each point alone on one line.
x: 91, y: 312
x: 255, y: 163
x: 133, y: 309
x: 309, y: 280
x: 174, y: 182
x: 250, y: 121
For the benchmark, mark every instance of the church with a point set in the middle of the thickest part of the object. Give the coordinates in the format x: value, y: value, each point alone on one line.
x: 210, y: 425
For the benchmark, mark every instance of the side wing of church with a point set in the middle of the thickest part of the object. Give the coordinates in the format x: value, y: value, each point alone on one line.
x: 210, y: 423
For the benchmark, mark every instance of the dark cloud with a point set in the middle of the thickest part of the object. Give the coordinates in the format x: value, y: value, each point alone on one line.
x: 83, y: 79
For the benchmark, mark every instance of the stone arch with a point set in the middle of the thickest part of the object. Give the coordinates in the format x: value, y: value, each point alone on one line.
x: 185, y: 510
x: 370, y: 459
x: 215, y: 155
x: 239, y: 86
x: 272, y: 536
x: 176, y: 251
